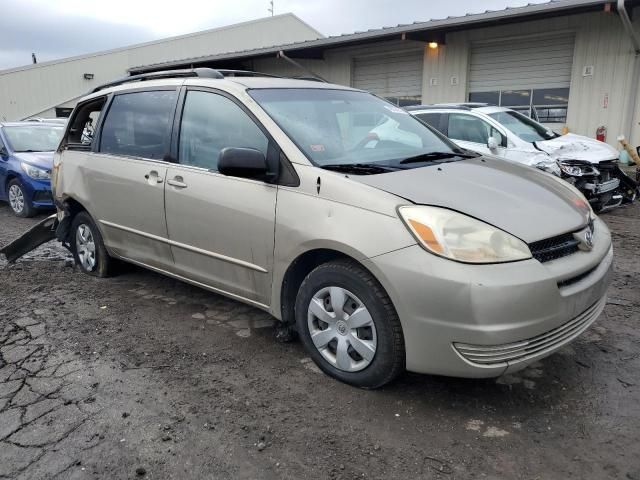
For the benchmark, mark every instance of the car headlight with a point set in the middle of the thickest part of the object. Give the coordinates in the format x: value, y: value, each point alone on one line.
x: 575, y: 170
x: 35, y: 172
x: 458, y: 237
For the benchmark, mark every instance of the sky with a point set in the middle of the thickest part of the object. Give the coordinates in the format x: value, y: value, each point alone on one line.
x: 63, y: 28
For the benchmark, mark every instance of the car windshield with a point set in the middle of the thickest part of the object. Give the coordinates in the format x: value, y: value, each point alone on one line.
x: 33, y: 138
x: 347, y: 129
x: 527, y: 129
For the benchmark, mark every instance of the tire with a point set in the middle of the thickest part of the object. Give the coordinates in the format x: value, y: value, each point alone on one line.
x: 85, y: 237
x: 370, y: 325
x: 18, y: 201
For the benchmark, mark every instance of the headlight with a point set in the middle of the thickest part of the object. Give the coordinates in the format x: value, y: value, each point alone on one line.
x: 577, y: 170
x: 458, y: 237
x: 35, y: 172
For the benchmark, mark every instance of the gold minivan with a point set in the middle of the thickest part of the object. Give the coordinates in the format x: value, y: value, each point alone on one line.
x: 383, y: 244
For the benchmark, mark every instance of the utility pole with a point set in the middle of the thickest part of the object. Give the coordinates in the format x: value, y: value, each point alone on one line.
x: 270, y: 9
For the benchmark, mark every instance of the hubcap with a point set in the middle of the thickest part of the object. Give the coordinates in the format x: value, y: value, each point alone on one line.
x: 86, y: 247
x: 16, y: 198
x: 342, y: 329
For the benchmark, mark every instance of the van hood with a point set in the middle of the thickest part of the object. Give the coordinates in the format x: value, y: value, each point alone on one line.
x: 528, y: 203
x: 577, y: 147
x: 37, y: 159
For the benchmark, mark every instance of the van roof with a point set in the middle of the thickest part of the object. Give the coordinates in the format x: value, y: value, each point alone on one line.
x: 224, y: 79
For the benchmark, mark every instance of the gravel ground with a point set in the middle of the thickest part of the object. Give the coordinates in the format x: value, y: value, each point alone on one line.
x: 141, y: 376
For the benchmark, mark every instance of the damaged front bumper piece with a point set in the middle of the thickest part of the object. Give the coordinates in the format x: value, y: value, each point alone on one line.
x: 43, y: 232
x: 51, y: 228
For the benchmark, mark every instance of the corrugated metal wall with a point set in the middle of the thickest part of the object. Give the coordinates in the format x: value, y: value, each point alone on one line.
x: 540, y: 62
x: 31, y: 90
x: 600, y: 42
x: 390, y: 75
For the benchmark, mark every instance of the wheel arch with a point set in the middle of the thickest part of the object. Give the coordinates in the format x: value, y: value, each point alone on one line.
x: 71, y: 208
x: 10, y: 176
x: 299, y: 268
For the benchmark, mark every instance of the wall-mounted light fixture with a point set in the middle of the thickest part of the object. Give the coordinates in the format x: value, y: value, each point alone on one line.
x: 433, y: 45
x: 88, y: 76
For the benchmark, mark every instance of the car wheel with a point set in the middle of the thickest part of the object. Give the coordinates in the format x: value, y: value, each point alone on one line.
x: 18, y: 200
x: 88, y: 247
x: 349, y: 326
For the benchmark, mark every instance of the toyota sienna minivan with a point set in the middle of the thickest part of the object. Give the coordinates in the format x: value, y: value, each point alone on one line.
x: 383, y: 244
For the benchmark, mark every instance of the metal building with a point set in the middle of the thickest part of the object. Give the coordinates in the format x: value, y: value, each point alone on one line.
x: 50, y: 89
x: 576, y: 63
x: 573, y: 61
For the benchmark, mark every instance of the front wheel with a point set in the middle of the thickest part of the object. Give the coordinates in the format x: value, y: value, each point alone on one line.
x: 88, y: 247
x: 349, y: 326
x: 18, y: 200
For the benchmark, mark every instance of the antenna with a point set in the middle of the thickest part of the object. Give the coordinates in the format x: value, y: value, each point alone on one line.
x: 270, y: 9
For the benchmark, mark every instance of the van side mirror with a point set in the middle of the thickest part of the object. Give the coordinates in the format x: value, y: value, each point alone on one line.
x: 492, y: 143
x: 3, y: 151
x: 243, y: 163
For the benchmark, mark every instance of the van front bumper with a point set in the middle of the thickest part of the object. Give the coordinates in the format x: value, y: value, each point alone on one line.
x: 486, y: 320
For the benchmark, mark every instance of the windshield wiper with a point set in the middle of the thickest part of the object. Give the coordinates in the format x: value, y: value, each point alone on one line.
x: 359, y: 168
x: 30, y: 151
x: 435, y: 156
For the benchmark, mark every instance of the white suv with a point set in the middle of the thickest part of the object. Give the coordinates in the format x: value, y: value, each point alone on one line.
x: 586, y: 163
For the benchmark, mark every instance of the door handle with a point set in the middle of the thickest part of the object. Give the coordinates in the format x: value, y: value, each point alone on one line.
x: 153, y: 176
x: 177, y: 182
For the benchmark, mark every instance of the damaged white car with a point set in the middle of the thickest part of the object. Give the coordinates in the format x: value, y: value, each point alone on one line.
x: 590, y: 165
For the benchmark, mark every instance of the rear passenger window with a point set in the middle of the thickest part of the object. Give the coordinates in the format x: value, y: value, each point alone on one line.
x: 434, y: 120
x: 83, y: 123
x: 211, y: 122
x: 139, y: 124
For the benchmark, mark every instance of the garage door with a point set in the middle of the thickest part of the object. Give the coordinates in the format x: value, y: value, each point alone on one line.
x: 397, y: 77
x: 531, y: 74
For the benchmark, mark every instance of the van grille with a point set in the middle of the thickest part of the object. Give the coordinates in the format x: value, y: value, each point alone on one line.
x: 554, y: 247
x: 496, y: 355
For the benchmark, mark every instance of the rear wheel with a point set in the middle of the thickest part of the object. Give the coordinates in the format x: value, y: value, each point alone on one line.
x: 349, y: 326
x: 18, y: 200
x: 88, y: 247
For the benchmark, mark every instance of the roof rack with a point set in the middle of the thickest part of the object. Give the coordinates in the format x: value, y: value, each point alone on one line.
x: 184, y: 73
x: 244, y: 73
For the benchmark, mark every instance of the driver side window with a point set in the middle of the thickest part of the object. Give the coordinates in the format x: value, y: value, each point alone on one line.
x: 211, y: 123
x: 468, y: 128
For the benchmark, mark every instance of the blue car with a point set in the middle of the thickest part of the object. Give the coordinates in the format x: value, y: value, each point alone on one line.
x: 26, y: 159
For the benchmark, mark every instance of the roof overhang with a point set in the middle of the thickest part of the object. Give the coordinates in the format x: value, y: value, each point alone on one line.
x: 432, y: 30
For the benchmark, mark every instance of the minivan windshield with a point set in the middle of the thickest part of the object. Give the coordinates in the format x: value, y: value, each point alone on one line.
x: 525, y: 128
x: 33, y: 138
x: 350, y: 130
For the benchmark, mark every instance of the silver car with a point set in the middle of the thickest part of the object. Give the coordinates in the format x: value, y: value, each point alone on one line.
x: 384, y: 245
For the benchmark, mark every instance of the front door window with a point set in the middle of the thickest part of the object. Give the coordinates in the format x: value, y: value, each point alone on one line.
x: 212, y: 122
x: 468, y: 128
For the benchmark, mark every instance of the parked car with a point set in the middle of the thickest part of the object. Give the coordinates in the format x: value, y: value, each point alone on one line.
x: 26, y: 158
x: 589, y: 165
x: 385, y: 254
x: 59, y: 121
